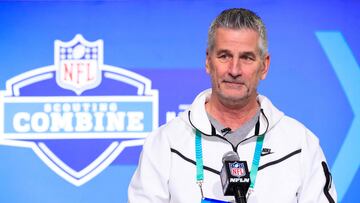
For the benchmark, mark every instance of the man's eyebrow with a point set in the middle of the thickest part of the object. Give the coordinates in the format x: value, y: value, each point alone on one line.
x: 245, y: 53
x: 248, y: 53
x: 222, y: 51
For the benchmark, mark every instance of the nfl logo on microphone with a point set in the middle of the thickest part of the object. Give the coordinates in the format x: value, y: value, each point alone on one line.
x: 237, y: 169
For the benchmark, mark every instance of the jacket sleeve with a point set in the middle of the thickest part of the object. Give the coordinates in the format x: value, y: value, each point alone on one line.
x: 317, y: 186
x: 150, y: 180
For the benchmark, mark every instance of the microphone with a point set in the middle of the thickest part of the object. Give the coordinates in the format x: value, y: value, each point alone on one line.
x: 225, y: 131
x: 235, y: 177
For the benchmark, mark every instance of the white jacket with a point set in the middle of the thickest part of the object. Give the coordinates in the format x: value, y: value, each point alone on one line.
x: 294, y: 171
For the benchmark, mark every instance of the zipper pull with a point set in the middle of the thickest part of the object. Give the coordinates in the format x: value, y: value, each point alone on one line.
x: 200, y: 182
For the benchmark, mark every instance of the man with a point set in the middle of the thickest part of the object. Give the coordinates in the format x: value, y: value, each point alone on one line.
x: 232, y: 116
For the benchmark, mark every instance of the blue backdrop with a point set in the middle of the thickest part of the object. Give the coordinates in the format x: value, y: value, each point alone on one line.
x: 314, y: 77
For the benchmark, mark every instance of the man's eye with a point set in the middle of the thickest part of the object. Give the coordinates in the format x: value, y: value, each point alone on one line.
x: 224, y: 57
x: 247, y: 58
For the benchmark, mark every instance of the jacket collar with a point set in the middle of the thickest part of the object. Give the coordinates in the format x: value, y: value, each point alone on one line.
x: 197, y: 116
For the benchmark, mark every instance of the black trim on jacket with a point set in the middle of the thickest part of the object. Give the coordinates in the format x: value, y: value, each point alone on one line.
x: 279, y: 160
x: 218, y: 172
x: 327, y: 185
x: 193, y: 162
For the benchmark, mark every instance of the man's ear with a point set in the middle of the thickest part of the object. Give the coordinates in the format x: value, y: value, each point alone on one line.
x: 265, y: 67
x: 207, y: 61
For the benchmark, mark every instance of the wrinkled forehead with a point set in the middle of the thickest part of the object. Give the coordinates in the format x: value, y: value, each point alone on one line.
x: 240, y: 39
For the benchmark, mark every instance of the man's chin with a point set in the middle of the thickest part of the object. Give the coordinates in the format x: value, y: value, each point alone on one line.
x: 232, y: 98
x: 234, y: 94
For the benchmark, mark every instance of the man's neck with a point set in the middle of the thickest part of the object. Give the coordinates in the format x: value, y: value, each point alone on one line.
x: 232, y: 116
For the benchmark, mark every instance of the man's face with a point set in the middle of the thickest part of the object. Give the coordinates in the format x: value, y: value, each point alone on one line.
x: 235, y: 65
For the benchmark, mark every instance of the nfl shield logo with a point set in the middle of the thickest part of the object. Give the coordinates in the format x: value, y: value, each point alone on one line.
x: 237, y: 169
x: 78, y: 64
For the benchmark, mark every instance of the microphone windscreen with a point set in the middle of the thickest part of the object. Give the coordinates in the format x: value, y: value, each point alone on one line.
x: 230, y: 156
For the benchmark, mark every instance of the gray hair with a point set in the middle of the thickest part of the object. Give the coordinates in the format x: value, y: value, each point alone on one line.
x: 239, y: 18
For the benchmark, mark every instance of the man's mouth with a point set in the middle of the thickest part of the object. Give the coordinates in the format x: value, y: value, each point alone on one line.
x: 233, y: 82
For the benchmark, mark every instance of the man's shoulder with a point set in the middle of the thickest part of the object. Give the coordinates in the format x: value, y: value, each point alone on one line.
x: 293, y: 123
x: 296, y: 130
x: 174, y: 127
x: 279, y: 119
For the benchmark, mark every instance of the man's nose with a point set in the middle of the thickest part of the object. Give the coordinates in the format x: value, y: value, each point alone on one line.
x: 235, y: 68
